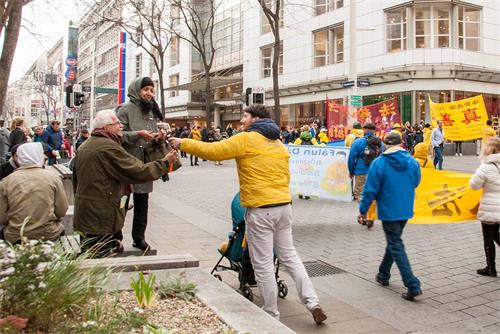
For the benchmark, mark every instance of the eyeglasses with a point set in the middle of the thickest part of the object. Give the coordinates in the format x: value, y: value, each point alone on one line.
x: 115, y: 123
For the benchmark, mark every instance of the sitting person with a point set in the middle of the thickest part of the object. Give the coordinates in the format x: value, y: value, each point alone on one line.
x: 32, y: 192
x: 103, y: 171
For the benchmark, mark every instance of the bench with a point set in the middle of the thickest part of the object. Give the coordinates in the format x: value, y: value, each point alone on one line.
x: 70, y: 244
x: 140, y: 263
x: 66, y: 175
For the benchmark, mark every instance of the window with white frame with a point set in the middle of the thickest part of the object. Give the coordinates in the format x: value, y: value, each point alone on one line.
x: 396, y: 30
x: 173, y: 82
x: 432, y: 26
x: 469, y: 22
x: 174, y: 51
x: 267, y: 53
x: 329, y: 46
x: 265, y: 25
x: 138, y: 66
x: 323, y: 6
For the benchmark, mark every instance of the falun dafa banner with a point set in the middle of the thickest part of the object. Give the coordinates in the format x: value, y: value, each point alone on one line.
x: 445, y: 197
x: 462, y: 120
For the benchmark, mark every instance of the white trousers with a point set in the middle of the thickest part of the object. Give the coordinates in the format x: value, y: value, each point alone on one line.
x: 268, y: 229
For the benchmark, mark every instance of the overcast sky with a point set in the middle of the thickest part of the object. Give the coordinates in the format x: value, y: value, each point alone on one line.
x: 45, y: 22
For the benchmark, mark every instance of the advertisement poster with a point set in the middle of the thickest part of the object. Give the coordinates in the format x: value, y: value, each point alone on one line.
x: 320, y: 172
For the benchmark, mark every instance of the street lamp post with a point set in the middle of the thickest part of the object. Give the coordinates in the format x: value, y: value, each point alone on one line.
x: 92, y: 81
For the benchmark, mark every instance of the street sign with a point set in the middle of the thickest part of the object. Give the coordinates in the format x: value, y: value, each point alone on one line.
x: 364, y: 83
x: 70, y: 61
x: 103, y: 90
x: 347, y: 84
x: 356, y: 100
x: 86, y: 89
x: 77, y: 88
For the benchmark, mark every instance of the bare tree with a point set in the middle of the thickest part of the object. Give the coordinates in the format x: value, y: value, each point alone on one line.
x: 51, y: 95
x: 273, y: 10
x: 198, y: 19
x: 10, y: 23
x: 147, y: 27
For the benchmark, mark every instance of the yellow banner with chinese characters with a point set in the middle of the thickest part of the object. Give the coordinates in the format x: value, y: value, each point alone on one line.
x: 462, y: 120
x: 445, y: 197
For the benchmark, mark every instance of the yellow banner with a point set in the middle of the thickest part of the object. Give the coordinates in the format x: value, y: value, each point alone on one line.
x: 445, y: 197
x: 463, y: 119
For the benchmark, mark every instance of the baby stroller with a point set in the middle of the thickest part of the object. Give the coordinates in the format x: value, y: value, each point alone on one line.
x: 235, y: 250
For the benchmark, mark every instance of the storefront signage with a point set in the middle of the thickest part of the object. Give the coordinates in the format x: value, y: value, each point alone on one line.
x: 347, y: 84
x: 356, y: 100
x: 364, y: 83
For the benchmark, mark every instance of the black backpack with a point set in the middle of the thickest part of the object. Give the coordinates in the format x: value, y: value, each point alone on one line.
x: 373, y: 149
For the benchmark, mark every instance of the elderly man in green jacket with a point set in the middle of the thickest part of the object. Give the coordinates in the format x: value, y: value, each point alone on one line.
x: 143, y: 140
x: 102, y: 175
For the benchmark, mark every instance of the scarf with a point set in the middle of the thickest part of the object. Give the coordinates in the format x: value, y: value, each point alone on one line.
x: 100, y: 132
x: 147, y: 106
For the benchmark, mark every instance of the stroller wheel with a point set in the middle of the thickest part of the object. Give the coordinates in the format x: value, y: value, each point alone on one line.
x: 247, y: 293
x: 282, y: 289
x: 218, y: 277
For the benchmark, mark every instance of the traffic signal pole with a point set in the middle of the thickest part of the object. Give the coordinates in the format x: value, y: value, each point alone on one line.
x: 92, y: 84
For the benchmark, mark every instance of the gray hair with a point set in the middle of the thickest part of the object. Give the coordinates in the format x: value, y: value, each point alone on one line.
x: 103, y: 118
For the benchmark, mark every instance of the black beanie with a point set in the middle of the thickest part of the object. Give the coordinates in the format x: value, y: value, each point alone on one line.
x: 146, y: 81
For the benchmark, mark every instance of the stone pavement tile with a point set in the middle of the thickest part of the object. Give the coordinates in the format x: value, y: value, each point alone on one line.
x: 486, y: 279
x: 495, y: 305
x: 493, y: 328
x: 448, y: 298
x: 493, y: 295
x: 461, y: 277
x: 470, y: 292
x: 431, y: 302
x: 301, y: 324
x: 491, y: 286
x: 479, y: 310
x: 452, y: 306
x: 474, y: 301
x: 438, y: 276
x: 461, y: 315
x: 442, y: 282
x: 485, y: 320
x: 442, y: 290
x: 465, y: 285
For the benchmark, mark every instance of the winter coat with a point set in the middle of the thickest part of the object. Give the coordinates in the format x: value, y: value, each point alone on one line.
x: 262, y: 161
x: 323, y: 138
x: 6, y: 136
x: 391, y: 181
x: 487, y: 177
x: 133, y: 120
x: 102, y: 171
x: 427, y: 132
x: 35, y: 192
x: 3, y: 152
x: 421, y: 154
x: 196, y: 134
x: 17, y: 137
x: 355, y: 133
x: 356, y: 160
x: 52, y: 139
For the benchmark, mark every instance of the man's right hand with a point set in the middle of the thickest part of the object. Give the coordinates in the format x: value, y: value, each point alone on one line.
x: 171, y: 157
x: 146, y: 135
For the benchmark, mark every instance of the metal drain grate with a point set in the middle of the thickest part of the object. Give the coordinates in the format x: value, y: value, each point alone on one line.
x: 319, y: 268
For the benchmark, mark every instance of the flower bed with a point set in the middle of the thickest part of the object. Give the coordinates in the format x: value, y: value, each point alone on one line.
x: 43, y: 290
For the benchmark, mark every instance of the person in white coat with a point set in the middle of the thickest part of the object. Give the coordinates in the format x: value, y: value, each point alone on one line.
x: 487, y: 177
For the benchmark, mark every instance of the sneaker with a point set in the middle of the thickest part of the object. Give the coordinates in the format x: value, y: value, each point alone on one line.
x: 460, y: 154
x: 487, y: 272
x: 318, y: 314
x: 456, y: 154
x: 410, y: 295
x: 380, y: 281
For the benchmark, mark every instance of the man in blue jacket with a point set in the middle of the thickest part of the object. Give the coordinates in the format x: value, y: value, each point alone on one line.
x: 391, y: 181
x: 360, y: 159
x: 52, y: 136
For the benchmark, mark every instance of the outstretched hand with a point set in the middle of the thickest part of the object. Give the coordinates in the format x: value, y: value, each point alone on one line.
x: 146, y: 135
x: 171, y: 157
x: 174, y: 142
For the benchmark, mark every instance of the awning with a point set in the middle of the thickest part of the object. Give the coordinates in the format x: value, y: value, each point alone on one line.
x: 199, y: 84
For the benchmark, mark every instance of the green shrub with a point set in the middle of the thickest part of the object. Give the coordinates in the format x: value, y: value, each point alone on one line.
x: 177, y: 288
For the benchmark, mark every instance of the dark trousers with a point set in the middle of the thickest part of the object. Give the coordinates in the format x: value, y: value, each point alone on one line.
x: 51, y: 161
x: 140, y: 220
x: 395, y: 252
x: 458, y: 147
x: 102, y: 245
x: 490, y: 236
x: 438, y: 157
x: 183, y: 154
x: 195, y: 159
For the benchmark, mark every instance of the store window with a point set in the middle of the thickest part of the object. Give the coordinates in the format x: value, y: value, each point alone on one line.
x: 423, y: 111
x: 329, y: 46
x: 264, y: 22
x: 469, y: 20
x: 174, y: 81
x: 432, y: 26
x: 396, y: 30
x: 138, y: 66
x: 323, y: 6
x: 267, y: 53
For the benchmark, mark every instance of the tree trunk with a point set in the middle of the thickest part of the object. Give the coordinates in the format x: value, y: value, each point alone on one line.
x: 276, y: 87
x: 9, y: 48
x: 162, y: 87
x: 208, y: 99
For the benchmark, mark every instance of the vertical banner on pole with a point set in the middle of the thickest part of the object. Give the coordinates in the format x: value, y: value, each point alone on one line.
x: 122, y: 67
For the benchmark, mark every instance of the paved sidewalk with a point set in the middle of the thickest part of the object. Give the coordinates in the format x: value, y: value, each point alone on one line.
x: 191, y: 214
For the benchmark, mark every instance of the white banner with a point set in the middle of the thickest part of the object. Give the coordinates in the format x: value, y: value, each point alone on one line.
x: 320, y: 171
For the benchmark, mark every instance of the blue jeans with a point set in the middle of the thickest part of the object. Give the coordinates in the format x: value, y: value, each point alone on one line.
x: 395, y: 252
x: 438, y: 157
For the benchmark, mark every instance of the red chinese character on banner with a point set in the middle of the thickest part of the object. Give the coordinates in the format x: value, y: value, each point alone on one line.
x: 387, y: 109
x: 470, y: 116
x: 363, y: 114
x: 446, y: 118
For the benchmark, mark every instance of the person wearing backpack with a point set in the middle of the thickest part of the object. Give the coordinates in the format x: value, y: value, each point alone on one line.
x: 363, y: 151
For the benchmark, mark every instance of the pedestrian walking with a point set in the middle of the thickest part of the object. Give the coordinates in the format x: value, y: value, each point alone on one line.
x: 84, y: 135
x: 394, y: 173
x: 52, y: 137
x: 264, y: 176
x: 5, y: 134
x: 357, y: 132
x: 102, y: 176
x: 142, y: 139
x: 437, y: 140
x: 458, y: 148
x: 17, y: 134
x: 487, y: 177
x: 363, y: 151
x: 195, y: 135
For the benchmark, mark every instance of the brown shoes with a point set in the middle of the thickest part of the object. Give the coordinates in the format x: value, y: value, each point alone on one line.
x: 319, y: 315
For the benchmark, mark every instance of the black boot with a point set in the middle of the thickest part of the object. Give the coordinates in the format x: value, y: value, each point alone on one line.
x: 490, y: 269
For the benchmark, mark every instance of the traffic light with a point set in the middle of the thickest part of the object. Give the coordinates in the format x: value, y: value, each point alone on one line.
x: 79, y: 99
x: 69, y: 97
x: 248, y: 92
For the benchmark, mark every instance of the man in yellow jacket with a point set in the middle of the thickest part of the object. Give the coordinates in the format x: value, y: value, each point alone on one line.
x: 264, y: 177
x: 356, y: 132
x: 488, y: 132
